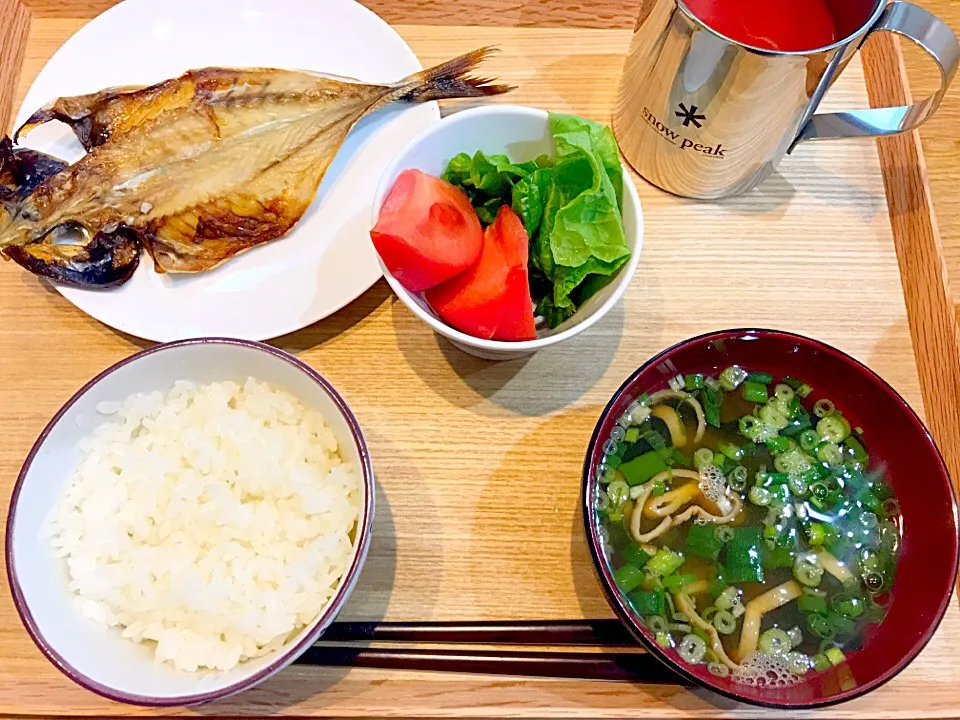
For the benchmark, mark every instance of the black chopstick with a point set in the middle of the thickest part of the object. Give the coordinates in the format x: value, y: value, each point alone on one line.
x: 583, y: 632
x: 622, y: 667
x: 635, y: 666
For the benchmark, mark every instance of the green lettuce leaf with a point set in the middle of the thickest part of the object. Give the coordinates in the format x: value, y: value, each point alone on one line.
x: 570, y: 205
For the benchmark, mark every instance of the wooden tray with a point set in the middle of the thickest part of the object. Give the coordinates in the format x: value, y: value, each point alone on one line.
x: 479, y: 464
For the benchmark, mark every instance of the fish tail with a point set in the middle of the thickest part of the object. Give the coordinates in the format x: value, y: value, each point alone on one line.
x: 447, y: 81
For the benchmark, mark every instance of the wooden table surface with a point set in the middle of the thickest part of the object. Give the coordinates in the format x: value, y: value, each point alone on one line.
x: 456, y: 441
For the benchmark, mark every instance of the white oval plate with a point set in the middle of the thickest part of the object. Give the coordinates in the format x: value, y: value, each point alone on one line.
x: 327, y: 260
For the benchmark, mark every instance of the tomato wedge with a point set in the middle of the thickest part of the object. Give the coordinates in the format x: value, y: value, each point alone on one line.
x: 492, y: 298
x: 427, y: 231
x: 517, y: 322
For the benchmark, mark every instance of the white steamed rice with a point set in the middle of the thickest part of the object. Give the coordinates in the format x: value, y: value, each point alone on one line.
x: 213, y: 522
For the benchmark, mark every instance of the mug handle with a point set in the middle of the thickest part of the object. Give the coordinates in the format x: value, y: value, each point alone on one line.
x: 930, y: 33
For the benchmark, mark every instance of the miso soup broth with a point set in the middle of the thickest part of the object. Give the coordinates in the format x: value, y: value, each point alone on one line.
x: 746, y: 522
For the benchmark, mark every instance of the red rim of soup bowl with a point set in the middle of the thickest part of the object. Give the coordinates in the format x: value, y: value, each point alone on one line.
x: 920, y: 593
x: 285, y: 655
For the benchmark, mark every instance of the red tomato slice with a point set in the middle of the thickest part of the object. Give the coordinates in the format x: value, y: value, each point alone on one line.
x: 427, y: 231
x: 492, y: 298
x: 517, y: 322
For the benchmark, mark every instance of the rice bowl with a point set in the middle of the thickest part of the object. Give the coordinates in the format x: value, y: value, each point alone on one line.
x: 213, y: 521
x: 292, y: 615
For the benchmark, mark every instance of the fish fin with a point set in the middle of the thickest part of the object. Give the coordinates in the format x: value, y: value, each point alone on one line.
x: 448, y: 80
x: 106, y: 261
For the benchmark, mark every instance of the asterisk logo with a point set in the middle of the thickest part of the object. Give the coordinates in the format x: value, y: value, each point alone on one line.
x: 690, y: 116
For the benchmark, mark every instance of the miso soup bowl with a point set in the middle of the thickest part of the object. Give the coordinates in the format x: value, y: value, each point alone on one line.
x: 522, y: 133
x: 927, y: 568
x: 93, y: 655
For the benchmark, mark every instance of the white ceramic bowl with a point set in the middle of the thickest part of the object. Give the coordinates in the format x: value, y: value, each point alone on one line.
x: 521, y: 133
x: 94, y: 656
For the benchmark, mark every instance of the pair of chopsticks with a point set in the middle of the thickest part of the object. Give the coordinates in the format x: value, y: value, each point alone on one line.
x: 620, y: 658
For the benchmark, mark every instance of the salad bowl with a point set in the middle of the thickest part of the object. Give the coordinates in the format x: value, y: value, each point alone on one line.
x: 522, y: 134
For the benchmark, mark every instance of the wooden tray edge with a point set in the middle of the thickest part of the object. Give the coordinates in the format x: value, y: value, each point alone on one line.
x: 923, y: 271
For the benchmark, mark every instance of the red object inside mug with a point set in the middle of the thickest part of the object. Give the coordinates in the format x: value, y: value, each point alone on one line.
x: 784, y: 25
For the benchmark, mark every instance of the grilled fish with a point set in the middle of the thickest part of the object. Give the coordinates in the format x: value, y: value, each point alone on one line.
x: 196, y: 169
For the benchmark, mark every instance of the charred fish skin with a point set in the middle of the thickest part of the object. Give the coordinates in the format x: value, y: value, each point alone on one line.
x: 208, y: 165
x: 107, y: 261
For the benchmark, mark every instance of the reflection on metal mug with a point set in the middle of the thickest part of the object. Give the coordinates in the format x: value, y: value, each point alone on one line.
x: 704, y: 116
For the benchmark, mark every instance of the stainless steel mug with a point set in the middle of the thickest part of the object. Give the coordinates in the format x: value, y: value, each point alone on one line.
x: 703, y: 116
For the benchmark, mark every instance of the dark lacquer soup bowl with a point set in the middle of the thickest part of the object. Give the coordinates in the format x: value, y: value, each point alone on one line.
x: 901, y: 616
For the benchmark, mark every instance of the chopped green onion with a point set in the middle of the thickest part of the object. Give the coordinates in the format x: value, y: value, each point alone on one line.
x: 675, y: 582
x: 724, y: 534
x: 754, y: 392
x: 680, y: 459
x: 798, y: 663
x: 820, y: 626
x: 760, y: 377
x: 724, y: 622
x: 654, y: 440
x: 628, y: 577
x: 830, y: 453
x: 656, y: 623
x: 659, y: 488
x: 709, y: 612
x: 807, y: 572
x: 856, y: 449
x: 702, y: 540
x: 796, y: 636
x: 810, y: 603
x: 772, y: 416
x: 648, y: 603
x: 771, y: 479
x: 702, y: 457
x: 737, y: 478
x: 820, y: 662
x: 775, y: 642
x: 663, y: 640
x: 793, y: 462
x: 817, y: 533
x: 778, y: 444
x: 632, y: 435
x: 718, y: 669
x: 693, y: 382
x: 730, y: 450
x: 711, y: 414
x: 643, y: 468
x: 759, y: 496
x: 618, y: 492
x: 809, y: 440
x: 798, y: 485
x: 833, y: 428
x: 784, y: 392
x: 692, y: 649
x: 612, y: 461
x: 743, y: 559
x: 822, y: 408
x: 732, y: 376
x: 607, y: 475
x: 635, y: 555
x: 804, y: 390
x: 849, y: 605
x: 665, y: 562
x: 728, y: 598
x: 835, y: 656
